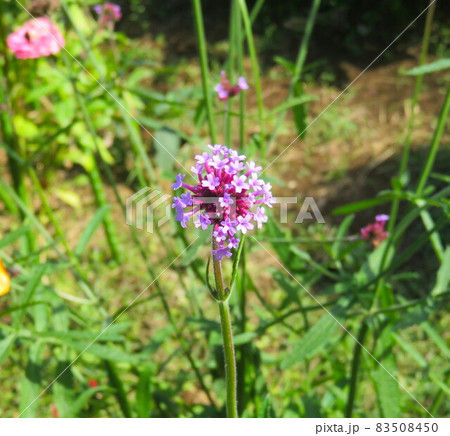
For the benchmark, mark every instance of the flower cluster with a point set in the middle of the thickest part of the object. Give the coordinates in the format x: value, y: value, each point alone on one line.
x: 5, y: 280
x: 109, y: 13
x: 225, y: 90
x: 374, y: 232
x: 36, y: 38
x: 228, y: 197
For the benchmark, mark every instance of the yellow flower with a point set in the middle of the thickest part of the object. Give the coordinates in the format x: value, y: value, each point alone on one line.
x: 5, y: 280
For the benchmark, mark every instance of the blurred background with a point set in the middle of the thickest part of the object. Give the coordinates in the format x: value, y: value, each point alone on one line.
x: 81, y: 132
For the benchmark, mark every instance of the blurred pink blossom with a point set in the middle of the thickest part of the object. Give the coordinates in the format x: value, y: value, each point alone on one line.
x: 374, y: 232
x: 36, y: 38
x: 109, y: 13
x: 225, y: 90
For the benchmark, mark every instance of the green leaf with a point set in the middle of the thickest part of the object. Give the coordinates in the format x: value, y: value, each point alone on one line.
x: 25, y: 128
x: 342, y: 231
x: 191, y: 253
x: 267, y: 409
x: 361, y: 205
x: 239, y: 339
x: 11, y: 237
x: 109, y: 335
x: 116, y: 383
x: 300, y: 111
x: 143, y: 393
x: 436, y: 338
x: 83, y: 398
x: 154, y: 96
x: 166, y: 143
x: 409, y: 349
x: 104, y: 352
x: 432, y: 67
x: 435, y: 239
x: 292, y: 103
x: 23, y: 306
x: 30, y: 386
x: 387, y: 389
x: 26, y: 296
x: 90, y: 229
x: 63, y: 391
x: 443, y: 275
x: 316, y: 338
x: 290, y: 66
x: 5, y: 345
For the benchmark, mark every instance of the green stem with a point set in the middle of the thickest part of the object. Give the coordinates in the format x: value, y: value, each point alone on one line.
x: 227, y: 337
x: 355, y: 369
x: 227, y: 126
x: 301, y: 58
x: 434, y: 143
x: 407, y: 144
x: 417, y: 89
x: 230, y: 360
x: 256, y: 72
x: 202, y: 48
x: 237, y: 42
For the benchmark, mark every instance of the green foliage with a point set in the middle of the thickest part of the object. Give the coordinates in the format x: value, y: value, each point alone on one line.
x: 105, y: 320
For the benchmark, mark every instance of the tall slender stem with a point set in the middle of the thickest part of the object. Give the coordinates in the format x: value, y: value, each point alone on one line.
x: 227, y: 337
x: 230, y: 359
x: 438, y: 132
x: 204, y: 67
x: 299, y: 64
x: 256, y: 72
x: 355, y: 369
x: 407, y: 143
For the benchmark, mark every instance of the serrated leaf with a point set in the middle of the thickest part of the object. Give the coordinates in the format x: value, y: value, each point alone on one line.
x: 387, y: 389
x: 104, y: 352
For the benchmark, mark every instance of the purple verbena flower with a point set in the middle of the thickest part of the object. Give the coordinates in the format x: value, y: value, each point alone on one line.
x: 202, y: 221
x: 260, y: 217
x: 223, y: 198
x: 179, y: 182
x: 225, y: 90
x: 382, y: 218
x: 211, y: 181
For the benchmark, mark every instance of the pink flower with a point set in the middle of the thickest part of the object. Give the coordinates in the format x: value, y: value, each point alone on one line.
x: 374, y: 232
x: 225, y: 90
x: 109, y: 13
x: 222, y: 199
x: 35, y: 39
